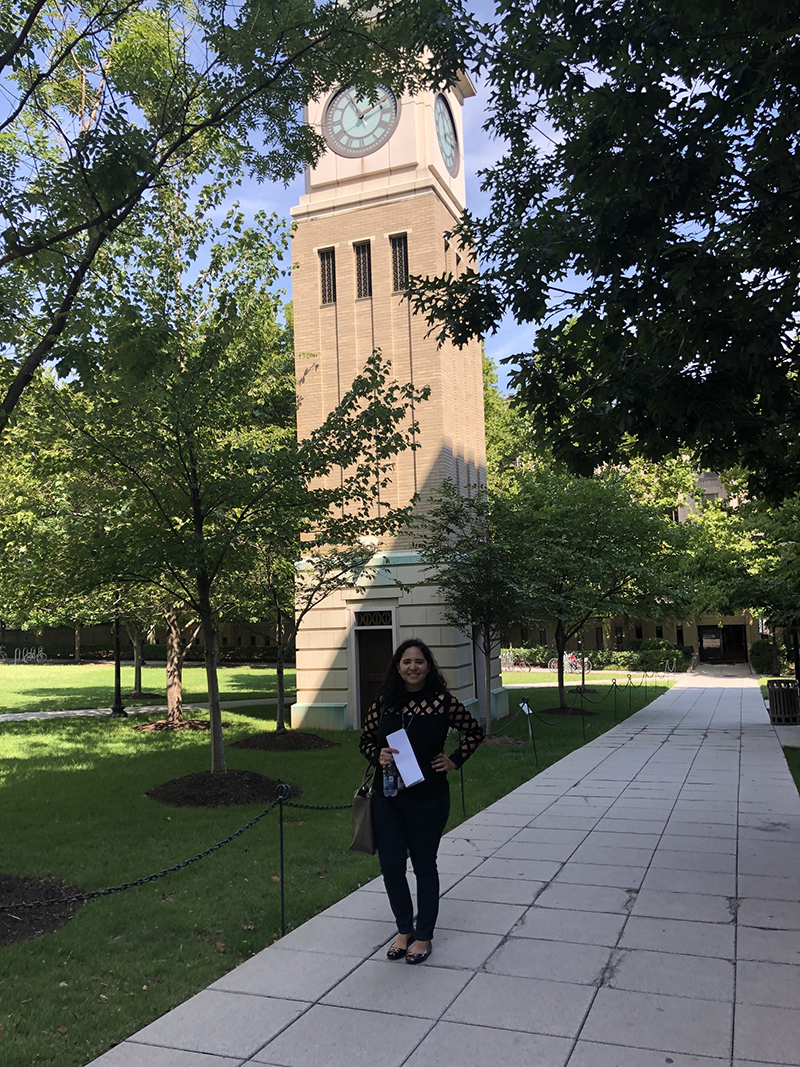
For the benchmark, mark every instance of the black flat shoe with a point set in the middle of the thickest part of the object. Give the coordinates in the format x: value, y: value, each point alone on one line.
x: 418, y: 957
x: 397, y: 953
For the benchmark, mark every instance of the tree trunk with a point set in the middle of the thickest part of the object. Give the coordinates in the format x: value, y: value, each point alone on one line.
x: 78, y: 643
x: 175, y: 656
x: 138, y: 641
x: 487, y: 683
x: 561, y: 645
x: 776, y: 665
x: 796, y: 648
x: 210, y: 657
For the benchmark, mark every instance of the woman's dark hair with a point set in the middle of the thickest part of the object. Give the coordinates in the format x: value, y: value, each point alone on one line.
x: 393, y: 690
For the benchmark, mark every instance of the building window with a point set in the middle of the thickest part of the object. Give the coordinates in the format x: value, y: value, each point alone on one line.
x: 327, y: 275
x: 659, y: 631
x: 639, y: 633
x: 363, y: 269
x: 523, y: 633
x: 619, y: 638
x: 679, y: 636
x: 598, y: 638
x: 399, y: 263
x: 252, y: 639
x: 543, y: 637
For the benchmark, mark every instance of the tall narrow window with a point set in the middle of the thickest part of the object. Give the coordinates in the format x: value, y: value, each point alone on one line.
x: 327, y: 274
x: 399, y: 263
x: 363, y: 269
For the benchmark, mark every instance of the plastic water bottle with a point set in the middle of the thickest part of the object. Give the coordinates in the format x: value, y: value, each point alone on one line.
x: 390, y: 781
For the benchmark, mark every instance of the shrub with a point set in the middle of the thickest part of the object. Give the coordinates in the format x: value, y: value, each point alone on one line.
x: 761, y: 657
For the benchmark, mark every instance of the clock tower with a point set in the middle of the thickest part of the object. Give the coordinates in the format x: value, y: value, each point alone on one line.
x: 376, y: 209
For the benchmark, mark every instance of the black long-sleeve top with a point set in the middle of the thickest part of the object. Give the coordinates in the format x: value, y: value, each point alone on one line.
x: 426, y: 719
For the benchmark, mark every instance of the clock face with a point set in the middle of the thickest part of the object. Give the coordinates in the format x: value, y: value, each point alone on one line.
x: 446, y: 134
x: 353, y: 125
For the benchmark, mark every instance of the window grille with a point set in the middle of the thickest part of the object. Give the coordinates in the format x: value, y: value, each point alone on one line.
x: 399, y: 263
x: 327, y: 270
x: 373, y: 618
x: 363, y: 269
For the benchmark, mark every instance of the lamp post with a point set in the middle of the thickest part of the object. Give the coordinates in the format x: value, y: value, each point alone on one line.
x: 117, y: 709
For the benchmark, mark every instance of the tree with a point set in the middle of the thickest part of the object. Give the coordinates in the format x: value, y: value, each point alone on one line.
x: 774, y: 569
x: 107, y: 100
x: 289, y: 579
x: 471, y: 546
x: 644, y: 213
x: 586, y: 549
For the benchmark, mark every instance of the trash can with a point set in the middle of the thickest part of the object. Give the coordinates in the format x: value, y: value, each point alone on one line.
x: 784, y: 701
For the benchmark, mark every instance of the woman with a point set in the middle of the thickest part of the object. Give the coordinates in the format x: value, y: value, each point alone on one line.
x: 414, y: 697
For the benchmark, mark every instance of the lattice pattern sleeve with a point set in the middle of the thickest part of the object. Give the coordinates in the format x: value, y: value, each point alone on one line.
x: 472, y: 733
x: 369, y: 735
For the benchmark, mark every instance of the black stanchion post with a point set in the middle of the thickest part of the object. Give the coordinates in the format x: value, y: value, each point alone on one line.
x: 282, y: 794
x: 463, y: 803
x: 630, y: 693
x: 583, y: 719
x: 614, y: 687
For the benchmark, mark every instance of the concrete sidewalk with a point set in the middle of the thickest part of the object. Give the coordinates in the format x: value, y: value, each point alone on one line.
x: 635, y: 905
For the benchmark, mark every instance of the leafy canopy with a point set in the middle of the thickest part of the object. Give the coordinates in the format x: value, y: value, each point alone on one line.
x: 106, y: 101
x: 645, y: 214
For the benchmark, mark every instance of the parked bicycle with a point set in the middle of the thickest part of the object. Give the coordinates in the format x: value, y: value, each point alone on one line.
x: 572, y: 664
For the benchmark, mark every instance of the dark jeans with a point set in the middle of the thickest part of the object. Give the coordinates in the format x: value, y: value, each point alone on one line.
x: 405, y: 825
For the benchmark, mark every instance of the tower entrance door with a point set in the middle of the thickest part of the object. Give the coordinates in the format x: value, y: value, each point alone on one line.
x: 374, y: 635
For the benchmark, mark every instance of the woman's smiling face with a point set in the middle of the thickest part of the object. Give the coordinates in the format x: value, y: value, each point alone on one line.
x: 413, y: 669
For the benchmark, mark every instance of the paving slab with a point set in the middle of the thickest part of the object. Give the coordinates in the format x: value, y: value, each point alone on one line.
x: 644, y: 971
x: 696, y: 907
x: 594, y: 917
x: 594, y: 1054
x: 668, y: 1024
x: 768, y: 1032
x: 528, y: 1004
x: 556, y: 961
x: 477, y: 1046
x: 222, y: 1024
x: 563, y: 924
x: 328, y: 1036
x: 774, y: 985
x: 392, y: 987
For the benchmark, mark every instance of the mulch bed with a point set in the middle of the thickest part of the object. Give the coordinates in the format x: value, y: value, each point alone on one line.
x: 25, y: 923
x: 284, y: 741
x: 206, y: 790
x: 185, y: 724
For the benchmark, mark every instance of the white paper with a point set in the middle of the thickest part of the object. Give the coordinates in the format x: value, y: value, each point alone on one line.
x: 404, y: 758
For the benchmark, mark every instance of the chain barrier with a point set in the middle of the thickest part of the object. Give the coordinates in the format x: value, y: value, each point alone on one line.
x: 282, y: 800
x: 78, y: 897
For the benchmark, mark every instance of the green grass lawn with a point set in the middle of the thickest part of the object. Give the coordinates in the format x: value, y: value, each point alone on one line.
x: 72, y: 793
x: 793, y: 759
x: 61, y: 686
x: 539, y: 677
